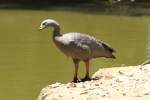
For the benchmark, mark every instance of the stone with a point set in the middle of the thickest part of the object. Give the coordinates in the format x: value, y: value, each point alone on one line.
x: 127, y: 83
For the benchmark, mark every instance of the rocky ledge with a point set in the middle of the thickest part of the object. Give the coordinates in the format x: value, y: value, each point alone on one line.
x: 118, y: 83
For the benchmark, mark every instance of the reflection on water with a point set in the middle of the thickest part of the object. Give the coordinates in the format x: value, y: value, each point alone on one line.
x: 29, y: 60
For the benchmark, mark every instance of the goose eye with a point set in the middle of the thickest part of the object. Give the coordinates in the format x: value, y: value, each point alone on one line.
x: 44, y: 23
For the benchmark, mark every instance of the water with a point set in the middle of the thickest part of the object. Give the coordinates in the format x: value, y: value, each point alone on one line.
x: 29, y: 60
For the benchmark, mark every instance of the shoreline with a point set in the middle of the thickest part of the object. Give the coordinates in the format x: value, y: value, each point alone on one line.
x: 130, y: 82
x: 123, y: 10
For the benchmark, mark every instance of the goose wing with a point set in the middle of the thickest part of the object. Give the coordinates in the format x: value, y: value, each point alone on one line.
x: 95, y: 47
x: 84, y: 46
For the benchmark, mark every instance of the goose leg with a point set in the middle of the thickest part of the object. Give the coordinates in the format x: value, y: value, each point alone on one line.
x: 76, y: 65
x: 87, y: 77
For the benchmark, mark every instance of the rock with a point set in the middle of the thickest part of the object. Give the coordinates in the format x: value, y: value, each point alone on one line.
x: 146, y: 89
x: 69, y: 85
x: 57, y: 84
x: 146, y: 62
x: 127, y: 83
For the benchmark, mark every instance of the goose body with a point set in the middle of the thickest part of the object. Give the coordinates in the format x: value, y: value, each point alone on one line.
x: 80, y: 47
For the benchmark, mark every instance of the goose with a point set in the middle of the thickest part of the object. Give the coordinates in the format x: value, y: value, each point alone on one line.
x: 79, y: 47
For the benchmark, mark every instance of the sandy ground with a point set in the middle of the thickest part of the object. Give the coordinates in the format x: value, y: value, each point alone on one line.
x: 118, y: 83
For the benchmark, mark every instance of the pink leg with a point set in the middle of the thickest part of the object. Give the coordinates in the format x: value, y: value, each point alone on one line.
x: 87, y: 64
x: 87, y: 77
x: 76, y: 66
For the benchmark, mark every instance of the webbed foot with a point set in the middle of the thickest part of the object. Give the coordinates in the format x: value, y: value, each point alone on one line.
x: 76, y: 80
x: 86, y: 78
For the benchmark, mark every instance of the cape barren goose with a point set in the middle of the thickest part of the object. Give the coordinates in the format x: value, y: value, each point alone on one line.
x: 80, y: 47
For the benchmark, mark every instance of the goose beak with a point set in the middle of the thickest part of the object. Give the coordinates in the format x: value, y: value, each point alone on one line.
x: 40, y: 28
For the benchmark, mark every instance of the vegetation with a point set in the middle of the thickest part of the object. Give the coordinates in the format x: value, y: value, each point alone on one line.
x: 73, y: 1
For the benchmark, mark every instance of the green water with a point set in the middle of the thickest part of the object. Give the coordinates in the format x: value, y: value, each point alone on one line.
x: 29, y: 60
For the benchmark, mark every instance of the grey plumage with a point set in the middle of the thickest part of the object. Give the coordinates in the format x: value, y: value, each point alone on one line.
x: 78, y: 46
x: 83, y: 46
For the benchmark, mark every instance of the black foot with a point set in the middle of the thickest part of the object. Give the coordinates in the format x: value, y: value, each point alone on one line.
x: 86, y: 78
x: 76, y: 80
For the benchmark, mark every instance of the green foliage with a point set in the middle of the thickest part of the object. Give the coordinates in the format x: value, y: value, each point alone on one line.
x: 49, y: 1
x: 73, y: 1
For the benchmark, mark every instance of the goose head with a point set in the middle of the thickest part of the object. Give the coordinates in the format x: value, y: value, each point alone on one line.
x: 49, y: 23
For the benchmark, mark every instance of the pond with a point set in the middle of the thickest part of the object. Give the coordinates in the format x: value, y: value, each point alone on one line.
x: 29, y: 60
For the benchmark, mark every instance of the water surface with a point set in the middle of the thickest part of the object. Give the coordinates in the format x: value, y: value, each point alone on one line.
x: 29, y: 60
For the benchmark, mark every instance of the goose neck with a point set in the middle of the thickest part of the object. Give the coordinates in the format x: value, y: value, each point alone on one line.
x: 56, y: 32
